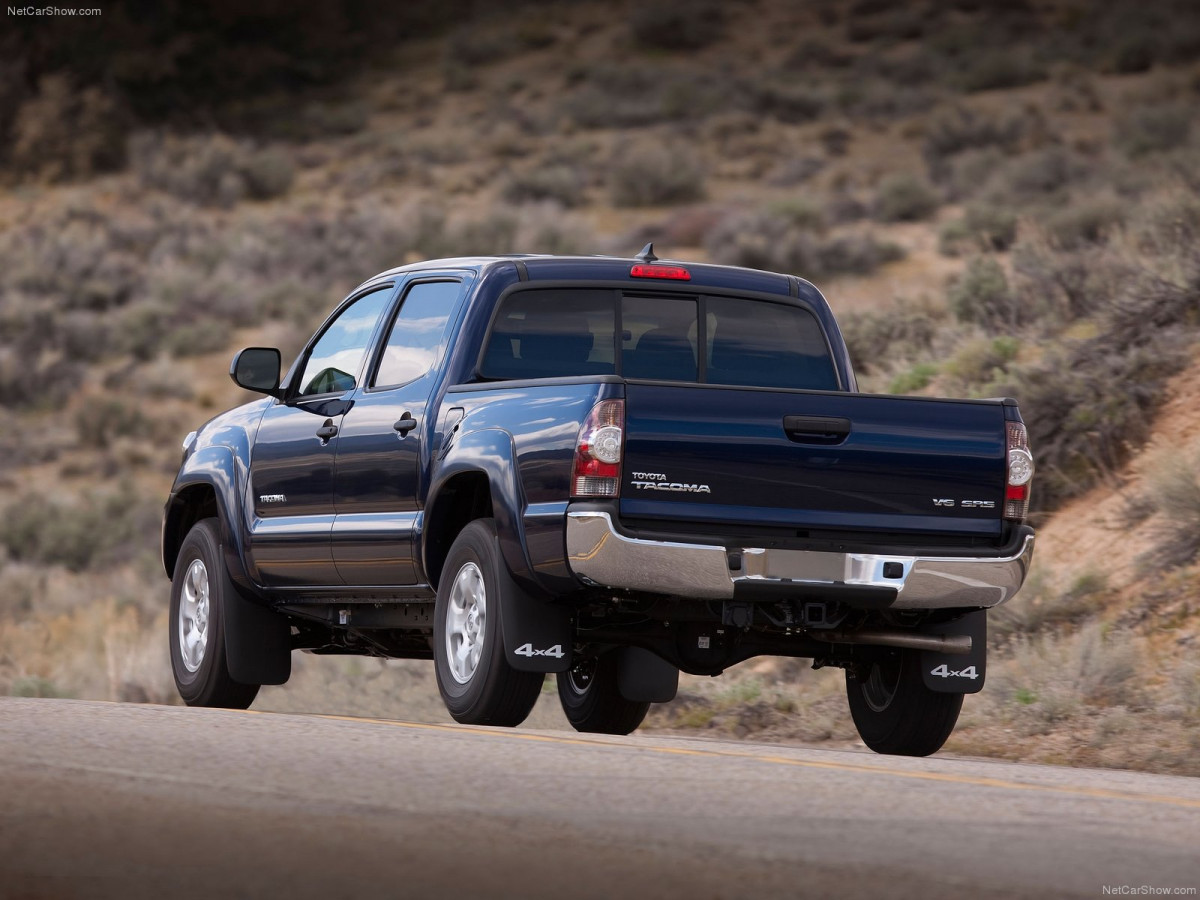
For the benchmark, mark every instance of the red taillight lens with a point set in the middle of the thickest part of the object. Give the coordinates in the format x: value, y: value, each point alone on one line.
x: 645, y: 270
x: 597, y: 471
x: 1020, y: 473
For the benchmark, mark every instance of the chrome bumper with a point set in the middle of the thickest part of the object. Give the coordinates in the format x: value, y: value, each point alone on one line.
x: 599, y: 555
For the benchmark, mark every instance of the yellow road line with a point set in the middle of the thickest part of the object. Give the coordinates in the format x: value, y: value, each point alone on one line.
x: 975, y: 780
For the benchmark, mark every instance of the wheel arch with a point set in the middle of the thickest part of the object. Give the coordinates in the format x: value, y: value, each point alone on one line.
x: 461, y: 499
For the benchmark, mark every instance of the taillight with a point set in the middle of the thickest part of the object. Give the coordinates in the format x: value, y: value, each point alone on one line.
x: 673, y: 273
x: 1020, y: 473
x: 597, y: 470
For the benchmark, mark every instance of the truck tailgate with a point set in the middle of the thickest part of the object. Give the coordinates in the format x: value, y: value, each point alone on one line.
x: 821, y: 464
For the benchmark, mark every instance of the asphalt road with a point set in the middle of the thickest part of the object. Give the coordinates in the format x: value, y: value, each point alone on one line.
x: 107, y: 800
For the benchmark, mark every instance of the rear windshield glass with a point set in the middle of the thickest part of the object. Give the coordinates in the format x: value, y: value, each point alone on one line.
x: 548, y: 333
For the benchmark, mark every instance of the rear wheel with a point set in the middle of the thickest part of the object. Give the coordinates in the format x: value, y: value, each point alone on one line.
x: 590, y: 698
x: 477, y: 684
x: 893, y: 710
x: 200, y: 594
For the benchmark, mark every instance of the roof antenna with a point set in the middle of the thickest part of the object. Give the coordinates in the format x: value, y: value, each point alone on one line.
x: 647, y: 254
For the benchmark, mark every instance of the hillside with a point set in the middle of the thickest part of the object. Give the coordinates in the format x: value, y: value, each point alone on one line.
x: 997, y: 199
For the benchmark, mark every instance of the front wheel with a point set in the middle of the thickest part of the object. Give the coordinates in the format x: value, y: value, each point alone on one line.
x: 201, y: 592
x: 893, y: 710
x: 591, y: 700
x: 477, y: 684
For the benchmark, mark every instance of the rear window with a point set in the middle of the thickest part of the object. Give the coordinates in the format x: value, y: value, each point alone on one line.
x: 713, y: 340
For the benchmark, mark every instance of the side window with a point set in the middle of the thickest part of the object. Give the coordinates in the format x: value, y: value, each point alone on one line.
x: 338, y: 354
x: 552, y: 333
x: 417, y: 333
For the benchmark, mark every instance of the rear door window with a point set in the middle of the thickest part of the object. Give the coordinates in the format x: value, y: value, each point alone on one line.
x: 552, y: 333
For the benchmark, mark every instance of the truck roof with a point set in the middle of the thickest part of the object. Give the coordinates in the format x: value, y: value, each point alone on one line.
x: 545, y: 267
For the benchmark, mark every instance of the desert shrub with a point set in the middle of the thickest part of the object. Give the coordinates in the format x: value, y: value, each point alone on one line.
x: 1072, y: 284
x: 983, y: 296
x: 899, y: 23
x: 785, y: 100
x: 546, y: 228
x: 904, y: 331
x: 953, y: 129
x: 795, y: 170
x: 608, y: 95
x: 213, y: 170
x: 34, y: 686
x: 1000, y: 68
x: 100, y: 528
x: 914, y: 379
x: 905, y: 197
x: 101, y: 421
x: 67, y: 132
x: 1152, y: 129
x: 676, y: 24
x: 1174, y: 491
x: 985, y: 227
x: 1040, y: 172
x: 654, y: 174
x: 1090, y: 403
x: 854, y: 254
x: 981, y: 361
x: 1050, y: 678
x: 560, y: 183
x: 1087, y: 222
x: 800, y: 211
x: 762, y: 240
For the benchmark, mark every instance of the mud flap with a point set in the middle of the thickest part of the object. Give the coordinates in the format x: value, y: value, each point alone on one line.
x: 537, y: 633
x: 958, y: 673
x: 258, y: 642
x: 644, y: 677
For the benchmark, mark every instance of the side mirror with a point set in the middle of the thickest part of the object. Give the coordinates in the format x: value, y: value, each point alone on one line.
x: 257, y: 369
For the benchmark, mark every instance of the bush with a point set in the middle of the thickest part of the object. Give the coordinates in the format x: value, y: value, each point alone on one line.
x: 905, y: 198
x: 955, y: 129
x: 1174, y: 491
x: 1088, y: 222
x: 1001, y: 68
x: 904, y: 331
x: 1153, y: 129
x: 914, y: 379
x: 1040, y: 173
x: 984, y: 228
x: 656, y: 174
x: 774, y: 243
x: 982, y: 296
x: 213, y: 170
x: 676, y: 24
x: 65, y: 132
x: 100, y: 529
x: 560, y: 183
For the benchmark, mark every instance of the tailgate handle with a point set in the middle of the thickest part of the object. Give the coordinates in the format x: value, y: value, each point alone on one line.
x: 816, y: 429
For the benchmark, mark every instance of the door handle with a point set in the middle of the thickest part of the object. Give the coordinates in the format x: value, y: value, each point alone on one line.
x: 327, y: 431
x: 405, y: 424
x: 816, y: 429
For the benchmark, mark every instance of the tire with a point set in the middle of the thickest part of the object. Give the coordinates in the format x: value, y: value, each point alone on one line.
x: 477, y: 684
x: 590, y: 698
x: 200, y: 593
x: 893, y: 710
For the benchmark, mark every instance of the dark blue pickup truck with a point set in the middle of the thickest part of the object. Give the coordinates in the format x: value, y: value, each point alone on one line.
x: 610, y: 469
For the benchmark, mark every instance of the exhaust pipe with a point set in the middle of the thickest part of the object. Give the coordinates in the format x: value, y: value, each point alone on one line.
x: 880, y: 637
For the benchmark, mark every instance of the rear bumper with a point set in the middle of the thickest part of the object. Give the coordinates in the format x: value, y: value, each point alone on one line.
x: 600, y: 555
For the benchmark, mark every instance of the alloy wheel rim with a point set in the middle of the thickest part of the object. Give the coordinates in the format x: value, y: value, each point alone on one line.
x: 194, y: 616
x: 466, y: 614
